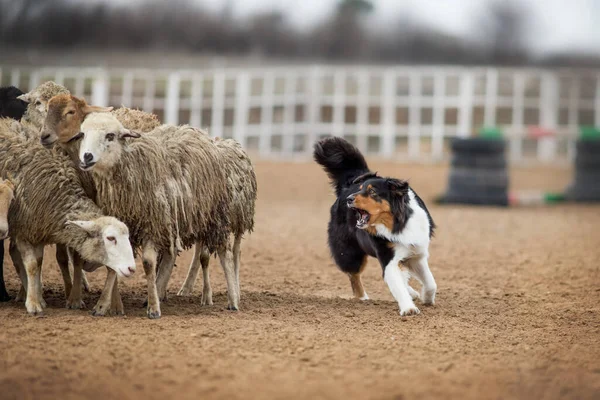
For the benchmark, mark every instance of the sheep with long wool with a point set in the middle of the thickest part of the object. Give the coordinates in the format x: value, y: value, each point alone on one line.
x: 50, y: 207
x: 170, y: 190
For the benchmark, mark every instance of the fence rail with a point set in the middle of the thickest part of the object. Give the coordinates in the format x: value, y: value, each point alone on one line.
x: 404, y: 113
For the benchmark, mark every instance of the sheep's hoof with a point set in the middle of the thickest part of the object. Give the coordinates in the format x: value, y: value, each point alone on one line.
x: 153, y: 314
x: 99, y: 311
x: 206, y: 301
x: 184, y: 292
x: 232, y: 308
x: 75, y: 304
x: 35, y: 309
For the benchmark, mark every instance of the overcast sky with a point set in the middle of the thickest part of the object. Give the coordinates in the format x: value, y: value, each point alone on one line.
x: 556, y: 25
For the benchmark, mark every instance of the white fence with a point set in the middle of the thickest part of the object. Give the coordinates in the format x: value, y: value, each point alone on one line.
x: 404, y: 113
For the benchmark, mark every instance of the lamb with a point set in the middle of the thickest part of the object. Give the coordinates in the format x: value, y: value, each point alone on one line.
x: 50, y: 207
x: 184, y: 172
x: 241, y: 182
x: 37, y: 100
x: 6, y: 196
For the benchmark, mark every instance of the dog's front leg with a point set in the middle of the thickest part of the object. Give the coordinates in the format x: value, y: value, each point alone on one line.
x: 397, y: 281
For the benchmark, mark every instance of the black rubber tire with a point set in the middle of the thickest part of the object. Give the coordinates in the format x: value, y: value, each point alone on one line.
x: 478, y: 146
x: 587, y: 178
x: 583, y: 194
x: 475, y: 199
x: 588, y: 148
x: 478, y: 177
x: 485, y: 161
x: 587, y: 161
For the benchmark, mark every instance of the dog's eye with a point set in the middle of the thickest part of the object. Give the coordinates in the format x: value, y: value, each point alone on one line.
x: 372, y: 192
x: 110, y: 137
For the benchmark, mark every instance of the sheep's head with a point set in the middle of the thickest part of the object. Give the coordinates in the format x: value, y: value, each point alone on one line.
x: 106, y: 243
x: 102, y: 140
x: 38, y: 100
x: 7, y: 189
x: 65, y: 115
x: 10, y: 104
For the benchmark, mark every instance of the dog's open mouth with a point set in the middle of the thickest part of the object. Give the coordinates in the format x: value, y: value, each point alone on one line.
x: 362, y: 218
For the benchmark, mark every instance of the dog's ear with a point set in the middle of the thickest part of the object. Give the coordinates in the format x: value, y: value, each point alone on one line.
x: 364, y: 177
x: 398, y: 186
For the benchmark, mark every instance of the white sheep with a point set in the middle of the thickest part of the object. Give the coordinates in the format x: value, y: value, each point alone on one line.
x: 51, y: 207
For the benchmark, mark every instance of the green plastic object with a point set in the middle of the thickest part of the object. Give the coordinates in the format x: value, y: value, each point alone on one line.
x: 589, y: 133
x: 554, y: 197
x: 491, y: 132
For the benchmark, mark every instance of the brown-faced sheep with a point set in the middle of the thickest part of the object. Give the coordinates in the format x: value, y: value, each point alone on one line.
x: 51, y: 207
x: 241, y: 182
x: 169, y: 189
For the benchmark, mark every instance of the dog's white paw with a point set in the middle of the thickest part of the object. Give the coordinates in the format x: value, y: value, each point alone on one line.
x: 428, y: 296
x: 409, y: 311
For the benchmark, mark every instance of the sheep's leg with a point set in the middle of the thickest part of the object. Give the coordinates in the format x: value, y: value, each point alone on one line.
x: 85, y: 284
x: 4, y: 296
x: 75, y: 300
x: 62, y: 259
x: 226, y: 258
x: 149, y: 257
x: 201, y: 258
x: 164, y: 275
x: 116, y: 303
x: 17, y: 261
x: 236, y: 260
x: 31, y: 255
x: 103, y: 305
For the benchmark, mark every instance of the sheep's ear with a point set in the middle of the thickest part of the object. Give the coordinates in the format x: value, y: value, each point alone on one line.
x: 78, y: 136
x: 24, y: 97
x: 89, y: 226
x: 125, y: 133
x: 87, y: 109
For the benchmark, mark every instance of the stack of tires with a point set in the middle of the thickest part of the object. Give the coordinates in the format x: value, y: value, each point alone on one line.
x: 478, y: 174
x: 586, y: 186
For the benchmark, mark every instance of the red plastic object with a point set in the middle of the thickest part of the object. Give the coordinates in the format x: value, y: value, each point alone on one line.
x: 539, y: 132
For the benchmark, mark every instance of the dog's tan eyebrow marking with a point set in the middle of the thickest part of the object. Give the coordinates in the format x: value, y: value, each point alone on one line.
x: 370, y: 187
x: 360, y: 187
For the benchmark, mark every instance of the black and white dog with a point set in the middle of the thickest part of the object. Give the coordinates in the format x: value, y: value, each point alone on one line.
x: 377, y: 217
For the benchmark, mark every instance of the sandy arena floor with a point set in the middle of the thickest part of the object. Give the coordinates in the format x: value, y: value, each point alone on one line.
x: 517, y: 312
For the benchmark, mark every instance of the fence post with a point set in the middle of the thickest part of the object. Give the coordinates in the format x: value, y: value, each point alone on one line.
x: 491, y: 95
x: 548, y: 115
x: 172, y: 100
x: 573, y: 107
x: 414, y: 116
x: 387, y: 144
x: 362, y: 110
x: 196, y: 101
x: 516, y: 141
x: 314, y: 103
x: 216, y: 124
x: 437, y: 139
x: 100, y: 88
x: 15, y: 77
x: 339, y: 88
x: 240, y: 118
x: 289, y: 118
x: 79, y: 85
x: 34, y: 79
x: 127, y: 89
x: 465, y: 117
x: 266, y: 120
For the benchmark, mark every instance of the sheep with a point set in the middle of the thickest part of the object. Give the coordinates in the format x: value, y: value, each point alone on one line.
x: 32, y: 117
x: 10, y: 104
x: 6, y: 196
x: 38, y: 102
x: 10, y: 107
x: 182, y: 170
x: 241, y: 182
x: 63, y: 127
x: 50, y: 206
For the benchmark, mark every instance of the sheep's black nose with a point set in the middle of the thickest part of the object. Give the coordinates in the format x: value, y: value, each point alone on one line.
x: 88, y: 157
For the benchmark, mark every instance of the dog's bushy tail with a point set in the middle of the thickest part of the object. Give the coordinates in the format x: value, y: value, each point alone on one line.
x: 341, y: 160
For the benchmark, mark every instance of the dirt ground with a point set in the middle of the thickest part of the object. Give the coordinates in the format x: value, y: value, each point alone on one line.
x: 517, y: 312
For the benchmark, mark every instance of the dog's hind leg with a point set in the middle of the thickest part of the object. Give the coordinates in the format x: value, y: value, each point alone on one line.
x: 413, y: 293
x: 419, y: 268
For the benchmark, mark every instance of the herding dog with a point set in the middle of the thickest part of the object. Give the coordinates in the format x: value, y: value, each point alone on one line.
x: 377, y: 217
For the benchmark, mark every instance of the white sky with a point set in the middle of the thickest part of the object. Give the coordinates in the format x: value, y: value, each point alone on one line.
x: 556, y: 25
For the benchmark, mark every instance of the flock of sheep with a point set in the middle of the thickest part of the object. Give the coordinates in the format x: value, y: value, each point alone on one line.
x: 103, y: 184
